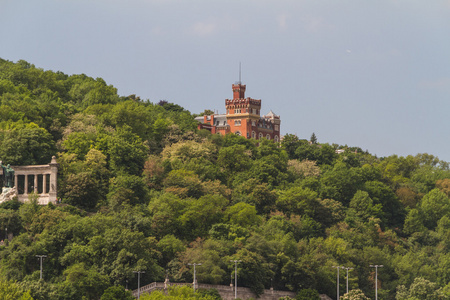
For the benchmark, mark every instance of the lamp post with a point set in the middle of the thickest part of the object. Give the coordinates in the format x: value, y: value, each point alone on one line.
x: 376, y: 279
x: 235, y: 277
x: 40, y: 258
x: 338, y: 267
x: 348, y: 268
x: 139, y: 282
x: 195, y: 279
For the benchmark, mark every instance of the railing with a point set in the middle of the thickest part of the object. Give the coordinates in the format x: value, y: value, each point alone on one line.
x: 220, y: 288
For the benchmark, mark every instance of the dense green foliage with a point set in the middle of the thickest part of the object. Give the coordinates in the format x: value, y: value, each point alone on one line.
x: 142, y: 189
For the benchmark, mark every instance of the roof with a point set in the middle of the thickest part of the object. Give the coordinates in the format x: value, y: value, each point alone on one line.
x: 271, y: 114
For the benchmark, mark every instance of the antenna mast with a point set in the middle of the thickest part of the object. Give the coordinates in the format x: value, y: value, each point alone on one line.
x: 240, y: 73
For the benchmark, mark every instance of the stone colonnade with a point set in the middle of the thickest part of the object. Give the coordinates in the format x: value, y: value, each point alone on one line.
x: 38, y: 179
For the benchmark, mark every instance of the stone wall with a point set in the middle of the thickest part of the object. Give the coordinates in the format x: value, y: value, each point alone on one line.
x: 226, y: 292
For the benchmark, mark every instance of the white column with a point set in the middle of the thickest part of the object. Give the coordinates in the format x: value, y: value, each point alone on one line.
x: 44, y: 183
x: 25, y: 190
x: 53, y: 180
x: 35, y: 183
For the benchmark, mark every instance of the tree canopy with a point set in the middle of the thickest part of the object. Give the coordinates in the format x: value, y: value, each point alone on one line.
x: 143, y: 190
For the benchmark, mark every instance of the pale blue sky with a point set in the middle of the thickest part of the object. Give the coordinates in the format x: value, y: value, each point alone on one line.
x: 373, y: 73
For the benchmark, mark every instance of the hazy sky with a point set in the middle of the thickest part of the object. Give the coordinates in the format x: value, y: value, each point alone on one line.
x: 372, y: 73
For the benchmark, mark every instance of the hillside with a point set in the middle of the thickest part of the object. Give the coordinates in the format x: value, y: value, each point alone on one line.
x: 142, y: 189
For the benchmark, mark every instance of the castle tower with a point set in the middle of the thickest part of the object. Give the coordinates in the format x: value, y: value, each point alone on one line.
x: 242, y: 113
x: 238, y: 90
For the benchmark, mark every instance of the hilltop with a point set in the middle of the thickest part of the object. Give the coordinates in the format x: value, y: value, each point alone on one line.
x: 143, y: 189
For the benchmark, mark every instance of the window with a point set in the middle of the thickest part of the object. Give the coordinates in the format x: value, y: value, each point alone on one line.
x: 277, y: 128
x: 268, y: 136
x: 237, y: 111
x: 253, y: 123
x: 237, y: 122
x: 260, y: 135
x: 238, y: 133
x: 254, y: 111
x: 253, y: 134
x: 275, y: 138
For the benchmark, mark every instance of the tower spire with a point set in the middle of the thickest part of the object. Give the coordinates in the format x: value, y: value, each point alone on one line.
x: 240, y: 73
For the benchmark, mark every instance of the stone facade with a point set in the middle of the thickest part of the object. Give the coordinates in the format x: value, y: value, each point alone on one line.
x: 243, y: 117
x: 38, y: 179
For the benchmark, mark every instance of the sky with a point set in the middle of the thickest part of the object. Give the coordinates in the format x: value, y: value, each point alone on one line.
x: 373, y: 74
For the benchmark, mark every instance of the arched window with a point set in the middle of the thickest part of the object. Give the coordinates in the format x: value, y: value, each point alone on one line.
x: 268, y: 136
x: 253, y: 134
x: 260, y: 135
x: 238, y: 133
x: 275, y: 138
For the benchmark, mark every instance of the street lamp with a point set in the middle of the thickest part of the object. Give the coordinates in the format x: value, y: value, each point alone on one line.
x: 348, y: 268
x: 195, y: 280
x: 40, y: 258
x: 139, y: 282
x: 338, y: 267
x: 376, y: 279
x: 235, y: 277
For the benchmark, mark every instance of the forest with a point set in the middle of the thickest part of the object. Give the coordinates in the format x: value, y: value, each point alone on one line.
x: 142, y: 189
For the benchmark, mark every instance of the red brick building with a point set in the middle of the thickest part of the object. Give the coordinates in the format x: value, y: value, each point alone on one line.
x: 243, y: 117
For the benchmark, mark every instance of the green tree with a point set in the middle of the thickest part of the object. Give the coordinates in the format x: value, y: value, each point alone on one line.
x: 361, y: 206
x: 242, y: 214
x: 308, y: 294
x: 26, y: 144
x: 313, y: 138
x: 116, y: 293
x: 340, y: 183
x: 434, y: 206
x: 126, y: 152
x: 176, y: 293
x: 11, y: 290
x: 253, y: 270
x: 84, y: 281
x: 354, y: 295
x: 165, y: 210
x: 234, y: 159
x: 127, y: 190
x: 422, y: 289
x: 414, y: 222
x: 382, y: 194
x: 201, y: 214
x: 298, y: 201
x: 183, y: 183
